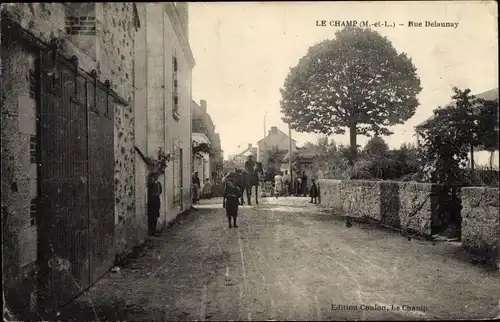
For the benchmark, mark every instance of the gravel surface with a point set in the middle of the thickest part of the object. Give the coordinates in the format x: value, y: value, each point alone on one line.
x: 289, y: 261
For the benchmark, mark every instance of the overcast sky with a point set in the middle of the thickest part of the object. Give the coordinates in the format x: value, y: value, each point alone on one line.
x: 243, y: 53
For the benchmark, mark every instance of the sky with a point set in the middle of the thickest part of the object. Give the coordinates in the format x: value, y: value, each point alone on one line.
x: 243, y: 52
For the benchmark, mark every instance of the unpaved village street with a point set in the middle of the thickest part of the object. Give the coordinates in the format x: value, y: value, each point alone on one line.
x: 287, y: 260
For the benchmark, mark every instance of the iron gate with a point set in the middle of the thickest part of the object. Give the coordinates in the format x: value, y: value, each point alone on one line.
x: 75, y: 212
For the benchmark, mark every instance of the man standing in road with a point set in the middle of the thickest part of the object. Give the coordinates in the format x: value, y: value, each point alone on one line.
x: 304, y: 184
x: 154, y: 203
x: 286, y: 183
x: 231, y: 201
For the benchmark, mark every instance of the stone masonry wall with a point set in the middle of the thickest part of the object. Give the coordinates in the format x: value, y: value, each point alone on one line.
x: 415, y: 207
x: 19, y: 236
x: 114, y: 55
x: 481, y: 221
x: 116, y: 58
x: 407, y: 206
x: 19, y: 242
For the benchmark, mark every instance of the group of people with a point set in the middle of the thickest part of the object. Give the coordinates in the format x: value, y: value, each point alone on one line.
x: 198, y: 191
x: 284, y: 187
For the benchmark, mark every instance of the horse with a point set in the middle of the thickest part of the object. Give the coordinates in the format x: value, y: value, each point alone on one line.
x: 252, y: 179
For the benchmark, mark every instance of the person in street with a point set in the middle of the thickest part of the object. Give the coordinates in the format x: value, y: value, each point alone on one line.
x: 249, y: 164
x: 304, y: 184
x: 286, y: 183
x: 207, y: 189
x: 154, y: 203
x: 314, y: 191
x: 231, y: 201
x: 278, y: 184
x: 298, y: 185
x: 196, y: 187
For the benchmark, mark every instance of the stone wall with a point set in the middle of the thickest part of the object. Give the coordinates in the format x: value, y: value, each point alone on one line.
x: 19, y: 235
x: 116, y: 59
x: 113, y: 60
x: 416, y: 207
x: 481, y: 221
x: 403, y: 205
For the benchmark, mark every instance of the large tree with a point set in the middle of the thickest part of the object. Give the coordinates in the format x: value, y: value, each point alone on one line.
x: 357, y: 81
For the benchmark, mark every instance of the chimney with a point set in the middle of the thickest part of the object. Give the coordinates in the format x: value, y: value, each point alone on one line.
x: 249, y: 145
x: 182, y: 11
x: 203, y: 104
x: 274, y: 129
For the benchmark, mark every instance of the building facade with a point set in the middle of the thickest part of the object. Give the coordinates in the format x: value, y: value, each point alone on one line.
x: 201, y: 160
x: 163, y: 100
x: 238, y: 160
x: 202, y: 123
x: 275, y: 139
x: 89, y: 92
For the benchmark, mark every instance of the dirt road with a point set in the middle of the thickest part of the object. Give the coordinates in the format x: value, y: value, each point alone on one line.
x: 289, y: 261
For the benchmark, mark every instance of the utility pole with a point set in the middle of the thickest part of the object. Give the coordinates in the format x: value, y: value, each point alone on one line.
x: 290, y: 151
x: 265, y: 124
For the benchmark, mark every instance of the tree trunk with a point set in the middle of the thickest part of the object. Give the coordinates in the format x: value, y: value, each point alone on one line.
x: 354, y: 145
x: 472, y: 158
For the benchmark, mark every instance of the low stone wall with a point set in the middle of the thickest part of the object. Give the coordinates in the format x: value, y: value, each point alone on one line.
x: 416, y: 207
x: 481, y: 221
x: 403, y: 205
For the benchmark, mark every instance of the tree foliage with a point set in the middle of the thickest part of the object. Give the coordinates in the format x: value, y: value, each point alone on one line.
x: 356, y: 81
x: 376, y: 146
x: 202, y: 148
x: 449, y: 135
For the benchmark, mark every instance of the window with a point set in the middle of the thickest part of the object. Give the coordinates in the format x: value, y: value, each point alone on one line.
x: 32, y: 82
x: 33, y: 179
x: 175, y: 89
x: 33, y: 212
x: 33, y: 149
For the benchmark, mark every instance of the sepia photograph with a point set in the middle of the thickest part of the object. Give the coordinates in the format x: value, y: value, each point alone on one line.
x: 239, y: 161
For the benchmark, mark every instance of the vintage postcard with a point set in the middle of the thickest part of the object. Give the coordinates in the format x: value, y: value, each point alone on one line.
x: 265, y: 161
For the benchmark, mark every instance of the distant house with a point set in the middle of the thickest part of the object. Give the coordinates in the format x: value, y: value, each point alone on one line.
x: 240, y: 158
x: 303, y: 161
x: 201, y: 160
x: 275, y: 139
x: 203, y: 130
x: 482, y: 158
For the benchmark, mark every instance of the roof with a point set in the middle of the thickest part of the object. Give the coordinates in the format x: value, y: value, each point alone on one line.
x: 248, y: 151
x: 301, y: 155
x: 490, y: 95
x: 270, y: 134
x: 200, y: 138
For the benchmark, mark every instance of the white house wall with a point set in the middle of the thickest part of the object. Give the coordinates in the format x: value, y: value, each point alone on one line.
x: 482, y: 159
x: 156, y: 126
x: 178, y: 132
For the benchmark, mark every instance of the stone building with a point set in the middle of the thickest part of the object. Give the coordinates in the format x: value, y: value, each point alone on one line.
x: 201, y: 160
x: 203, y: 126
x: 275, y: 139
x: 89, y: 91
x: 239, y: 159
x: 163, y: 102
